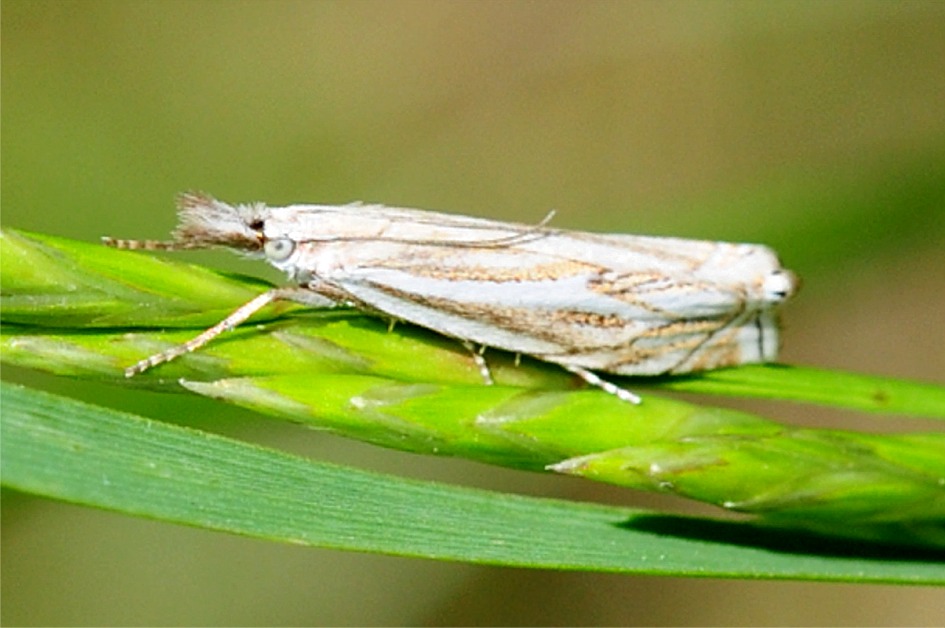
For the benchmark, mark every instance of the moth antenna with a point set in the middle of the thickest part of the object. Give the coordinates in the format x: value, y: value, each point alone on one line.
x: 143, y: 245
x: 532, y: 232
x: 544, y: 221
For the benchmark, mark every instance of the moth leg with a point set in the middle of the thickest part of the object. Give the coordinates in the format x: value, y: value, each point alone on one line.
x: 480, y: 361
x: 594, y: 380
x: 238, y: 316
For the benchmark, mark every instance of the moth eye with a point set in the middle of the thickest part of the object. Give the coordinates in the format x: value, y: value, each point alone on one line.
x: 279, y: 249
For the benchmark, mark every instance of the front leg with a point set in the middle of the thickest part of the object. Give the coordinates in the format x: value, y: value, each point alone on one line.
x: 239, y: 316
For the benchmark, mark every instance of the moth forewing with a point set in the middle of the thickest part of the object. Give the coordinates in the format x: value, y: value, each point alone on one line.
x: 629, y: 305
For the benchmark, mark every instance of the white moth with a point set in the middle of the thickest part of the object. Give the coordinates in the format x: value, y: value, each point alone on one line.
x: 622, y: 304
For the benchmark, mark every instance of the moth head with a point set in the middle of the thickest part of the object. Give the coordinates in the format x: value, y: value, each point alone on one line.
x: 205, y: 222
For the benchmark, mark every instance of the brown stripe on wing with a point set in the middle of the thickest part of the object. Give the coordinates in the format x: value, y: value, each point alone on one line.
x: 691, y: 337
x: 638, y: 289
x: 432, y: 264
x: 528, y: 321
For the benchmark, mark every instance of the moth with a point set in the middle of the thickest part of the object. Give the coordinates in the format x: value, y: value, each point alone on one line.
x: 591, y: 303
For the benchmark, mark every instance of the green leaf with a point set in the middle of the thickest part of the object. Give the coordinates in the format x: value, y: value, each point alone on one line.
x: 821, y: 386
x: 84, y: 454
x: 55, y: 282
x: 343, y: 371
x: 65, y: 302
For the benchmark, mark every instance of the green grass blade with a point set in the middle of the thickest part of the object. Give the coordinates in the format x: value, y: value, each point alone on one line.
x: 81, y: 309
x: 414, y: 390
x: 71, y: 451
x: 728, y: 458
x: 821, y: 386
x: 55, y: 282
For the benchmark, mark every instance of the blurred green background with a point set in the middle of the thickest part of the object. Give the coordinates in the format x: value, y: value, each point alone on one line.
x: 815, y: 127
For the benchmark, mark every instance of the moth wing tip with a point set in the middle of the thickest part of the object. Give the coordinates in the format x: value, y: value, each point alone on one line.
x: 781, y: 285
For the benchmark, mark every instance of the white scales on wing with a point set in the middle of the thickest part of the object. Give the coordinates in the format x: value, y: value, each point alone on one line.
x: 622, y: 304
